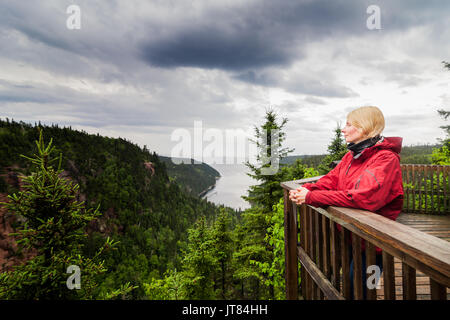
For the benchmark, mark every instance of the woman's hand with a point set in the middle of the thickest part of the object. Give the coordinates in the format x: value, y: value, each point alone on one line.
x: 299, y: 195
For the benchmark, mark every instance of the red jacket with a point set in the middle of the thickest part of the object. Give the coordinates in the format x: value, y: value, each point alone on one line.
x: 373, y: 181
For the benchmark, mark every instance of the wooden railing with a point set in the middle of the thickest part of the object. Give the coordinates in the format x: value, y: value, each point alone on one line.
x: 312, y: 238
x: 427, y: 188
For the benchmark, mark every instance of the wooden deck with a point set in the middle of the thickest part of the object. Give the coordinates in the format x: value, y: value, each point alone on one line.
x: 418, y: 240
x: 438, y: 226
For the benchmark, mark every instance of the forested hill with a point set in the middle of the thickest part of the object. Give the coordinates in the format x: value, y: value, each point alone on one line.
x: 143, y: 208
x: 196, y: 178
x: 414, y: 154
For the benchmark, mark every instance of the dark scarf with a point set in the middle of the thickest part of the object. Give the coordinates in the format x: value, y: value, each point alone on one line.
x: 359, y: 147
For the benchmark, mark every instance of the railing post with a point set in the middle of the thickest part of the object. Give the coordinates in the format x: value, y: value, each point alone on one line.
x: 290, y: 249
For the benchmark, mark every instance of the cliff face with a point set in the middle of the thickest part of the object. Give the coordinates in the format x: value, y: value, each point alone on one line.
x: 9, y: 253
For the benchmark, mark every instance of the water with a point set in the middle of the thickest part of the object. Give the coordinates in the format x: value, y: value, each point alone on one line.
x: 233, y: 184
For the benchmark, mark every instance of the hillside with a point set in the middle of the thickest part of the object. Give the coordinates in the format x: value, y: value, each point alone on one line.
x: 196, y: 178
x: 415, y: 154
x: 143, y: 207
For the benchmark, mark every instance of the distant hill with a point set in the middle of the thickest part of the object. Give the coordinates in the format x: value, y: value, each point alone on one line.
x: 418, y: 154
x: 196, y: 178
x: 142, y: 197
x: 309, y: 160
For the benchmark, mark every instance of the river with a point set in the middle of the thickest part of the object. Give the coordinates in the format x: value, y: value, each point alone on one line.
x: 233, y: 183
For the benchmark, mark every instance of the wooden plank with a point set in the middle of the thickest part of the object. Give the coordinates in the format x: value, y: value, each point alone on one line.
x: 420, y: 180
x: 318, y: 277
x: 290, y: 234
x: 370, y: 261
x: 357, y: 268
x: 388, y: 276
x: 425, y: 175
x: 326, y: 247
x: 318, y: 234
x: 345, y: 262
x: 317, y: 249
x: 407, y: 190
x: 413, y: 194
x: 291, y: 185
x: 311, y: 250
x: 306, y: 248
x: 432, y: 191
x: 303, y: 244
x: 438, y: 291
x: 409, y: 282
x: 335, y: 255
x: 422, y: 251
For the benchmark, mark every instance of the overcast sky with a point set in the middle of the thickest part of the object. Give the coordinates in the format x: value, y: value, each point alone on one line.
x: 143, y: 69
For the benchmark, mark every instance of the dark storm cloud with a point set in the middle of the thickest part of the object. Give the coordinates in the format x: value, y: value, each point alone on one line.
x: 275, y: 33
x: 262, y: 34
x: 305, y: 83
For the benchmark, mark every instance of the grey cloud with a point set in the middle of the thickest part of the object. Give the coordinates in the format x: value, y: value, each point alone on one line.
x: 261, y: 34
x: 320, y: 84
x: 315, y: 100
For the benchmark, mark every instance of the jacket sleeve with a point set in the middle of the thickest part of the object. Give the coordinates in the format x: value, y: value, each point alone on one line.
x: 372, y: 193
x: 328, y: 181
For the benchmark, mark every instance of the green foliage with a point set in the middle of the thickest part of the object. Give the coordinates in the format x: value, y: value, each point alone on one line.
x: 269, y: 190
x: 199, y: 263
x: 336, y: 150
x: 168, y: 288
x: 54, y: 229
x: 193, y: 177
x: 146, y: 213
x: 274, y: 269
x: 442, y: 155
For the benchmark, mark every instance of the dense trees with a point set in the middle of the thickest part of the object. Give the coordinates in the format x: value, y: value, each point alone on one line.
x: 147, y: 212
x: 54, y: 228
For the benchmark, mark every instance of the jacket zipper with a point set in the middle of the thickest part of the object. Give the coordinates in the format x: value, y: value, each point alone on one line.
x: 349, y: 166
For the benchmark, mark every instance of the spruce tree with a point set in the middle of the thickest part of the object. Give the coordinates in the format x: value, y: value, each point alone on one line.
x: 336, y: 150
x: 267, y: 193
x: 254, y: 251
x: 54, y: 228
x: 223, y: 245
x: 441, y: 156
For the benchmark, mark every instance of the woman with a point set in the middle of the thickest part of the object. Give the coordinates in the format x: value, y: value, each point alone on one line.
x: 368, y: 177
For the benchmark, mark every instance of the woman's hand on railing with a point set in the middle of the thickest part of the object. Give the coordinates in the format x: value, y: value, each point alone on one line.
x: 298, y: 195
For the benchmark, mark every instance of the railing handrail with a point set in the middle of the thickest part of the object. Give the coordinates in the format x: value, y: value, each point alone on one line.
x: 424, y: 252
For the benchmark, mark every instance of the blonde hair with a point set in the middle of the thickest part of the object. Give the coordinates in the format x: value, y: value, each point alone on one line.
x: 369, y: 119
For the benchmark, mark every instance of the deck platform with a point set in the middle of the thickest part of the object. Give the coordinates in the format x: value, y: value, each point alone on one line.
x: 438, y: 226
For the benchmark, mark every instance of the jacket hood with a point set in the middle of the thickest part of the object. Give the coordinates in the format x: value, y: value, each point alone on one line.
x: 391, y: 143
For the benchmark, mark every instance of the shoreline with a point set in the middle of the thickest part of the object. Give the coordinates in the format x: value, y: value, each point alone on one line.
x: 211, y: 187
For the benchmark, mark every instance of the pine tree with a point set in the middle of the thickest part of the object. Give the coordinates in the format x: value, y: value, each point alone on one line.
x: 336, y: 150
x: 254, y: 250
x: 199, y: 263
x: 54, y: 229
x: 267, y: 193
x: 223, y: 245
x: 441, y: 155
